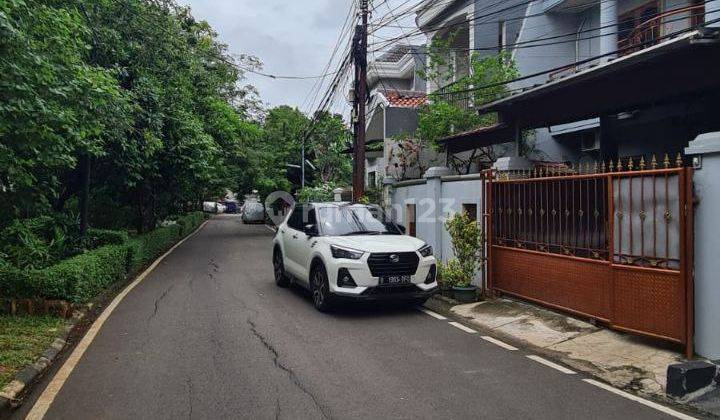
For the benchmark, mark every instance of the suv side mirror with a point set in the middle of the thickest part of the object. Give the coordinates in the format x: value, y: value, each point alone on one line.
x: 311, y: 230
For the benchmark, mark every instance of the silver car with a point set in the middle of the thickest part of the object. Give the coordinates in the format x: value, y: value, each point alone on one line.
x: 253, y: 212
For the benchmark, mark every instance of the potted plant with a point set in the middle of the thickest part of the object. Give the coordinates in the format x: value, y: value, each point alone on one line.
x: 459, y: 271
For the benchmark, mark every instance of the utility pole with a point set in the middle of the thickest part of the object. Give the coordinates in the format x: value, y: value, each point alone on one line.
x: 302, y: 164
x: 360, y: 61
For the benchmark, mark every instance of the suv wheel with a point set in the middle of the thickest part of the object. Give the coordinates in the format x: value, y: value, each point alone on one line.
x: 322, y: 298
x: 281, y: 278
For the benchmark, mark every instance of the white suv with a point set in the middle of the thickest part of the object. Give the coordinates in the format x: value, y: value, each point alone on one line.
x: 351, y: 251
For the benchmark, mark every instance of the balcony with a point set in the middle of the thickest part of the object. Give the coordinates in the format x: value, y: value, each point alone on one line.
x: 449, y: 94
x: 640, y: 33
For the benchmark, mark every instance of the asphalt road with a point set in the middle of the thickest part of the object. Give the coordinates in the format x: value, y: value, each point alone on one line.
x: 209, y: 335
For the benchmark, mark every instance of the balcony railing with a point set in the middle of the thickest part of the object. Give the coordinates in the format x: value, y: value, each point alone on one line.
x: 648, y: 33
x: 644, y: 35
x: 462, y: 99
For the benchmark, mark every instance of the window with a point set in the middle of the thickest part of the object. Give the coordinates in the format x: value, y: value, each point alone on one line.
x: 471, y: 210
x: 372, y: 179
x: 410, y: 219
x: 295, y: 221
x: 355, y: 220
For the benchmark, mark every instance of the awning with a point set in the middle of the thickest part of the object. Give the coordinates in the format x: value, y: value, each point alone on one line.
x: 484, y: 136
x: 671, y: 71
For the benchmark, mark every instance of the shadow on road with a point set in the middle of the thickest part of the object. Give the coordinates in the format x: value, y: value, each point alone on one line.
x: 358, y: 310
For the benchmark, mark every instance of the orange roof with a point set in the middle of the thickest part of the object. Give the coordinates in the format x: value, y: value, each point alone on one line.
x: 405, y: 98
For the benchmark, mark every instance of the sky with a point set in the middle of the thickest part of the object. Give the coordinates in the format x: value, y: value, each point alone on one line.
x: 291, y: 37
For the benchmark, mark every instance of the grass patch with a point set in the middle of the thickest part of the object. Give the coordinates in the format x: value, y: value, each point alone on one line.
x: 22, y: 341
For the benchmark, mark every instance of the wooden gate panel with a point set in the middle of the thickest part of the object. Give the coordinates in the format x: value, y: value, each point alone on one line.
x: 647, y: 301
x: 580, y: 286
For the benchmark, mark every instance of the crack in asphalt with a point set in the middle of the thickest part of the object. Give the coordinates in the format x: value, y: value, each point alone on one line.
x: 278, y: 408
x: 189, y: 384
x: 158, y: 300
x: 278, y: 364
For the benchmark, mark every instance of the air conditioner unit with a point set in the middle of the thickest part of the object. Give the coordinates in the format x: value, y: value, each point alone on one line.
x: 590, y: 142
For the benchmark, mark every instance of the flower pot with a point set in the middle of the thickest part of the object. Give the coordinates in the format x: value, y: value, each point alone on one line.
x: 465, y: 294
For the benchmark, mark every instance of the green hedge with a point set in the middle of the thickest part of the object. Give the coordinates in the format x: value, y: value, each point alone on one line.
x: 82, y: 277
x: 101, y: 237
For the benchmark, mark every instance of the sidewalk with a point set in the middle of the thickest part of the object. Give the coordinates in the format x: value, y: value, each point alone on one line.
x: 626, y: 361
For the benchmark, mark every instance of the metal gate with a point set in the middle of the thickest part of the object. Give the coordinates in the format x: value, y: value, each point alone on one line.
x: 608, y: 242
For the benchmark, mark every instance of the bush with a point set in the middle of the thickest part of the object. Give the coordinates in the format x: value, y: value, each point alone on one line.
x: 15, y: 282
x: 33, y: 243
x: 190, y: 222
x: 80, y: 278
x: 466, y: 238
x: 148, y: 247
x: 100, y: 237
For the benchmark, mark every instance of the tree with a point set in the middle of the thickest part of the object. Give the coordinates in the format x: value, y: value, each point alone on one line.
x: 138, y: 87
x: 446, y: 112
x: 327, y: 144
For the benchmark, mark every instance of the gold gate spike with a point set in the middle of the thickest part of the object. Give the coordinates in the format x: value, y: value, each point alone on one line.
x: 642, y: 163
x: 631, y: 165
x: 619, y: 165
x: 679, y: 160
x: 653, y: 162
x: 611, y: 166
x: 666, y: 161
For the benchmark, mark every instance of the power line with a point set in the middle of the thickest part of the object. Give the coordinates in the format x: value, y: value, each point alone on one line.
x: 533, y: 43
x: 273, y: 76
x: 585, y: 61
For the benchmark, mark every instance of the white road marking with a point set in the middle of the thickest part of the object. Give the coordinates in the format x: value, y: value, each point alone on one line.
x: 656, y: 406
x: 548, y: 363
x: 48, y: 396
x: 432, y: 314
x: 497, y: 342
x: 462, y: 327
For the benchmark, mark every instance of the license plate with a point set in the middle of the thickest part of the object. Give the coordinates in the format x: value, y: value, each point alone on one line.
x: 394, y: 280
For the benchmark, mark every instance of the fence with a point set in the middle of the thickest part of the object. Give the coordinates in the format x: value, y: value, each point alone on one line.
x: 612, y: 242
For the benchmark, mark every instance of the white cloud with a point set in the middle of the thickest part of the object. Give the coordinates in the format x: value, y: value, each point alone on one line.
x: 291, y: 37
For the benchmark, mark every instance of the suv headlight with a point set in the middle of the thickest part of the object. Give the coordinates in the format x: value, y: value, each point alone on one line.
x: 426, y: 251
x: 350, y: 254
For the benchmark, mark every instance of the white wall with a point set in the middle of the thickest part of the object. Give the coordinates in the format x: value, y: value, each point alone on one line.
x: 455, y: 191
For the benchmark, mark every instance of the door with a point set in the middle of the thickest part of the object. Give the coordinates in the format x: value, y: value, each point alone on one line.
x: 305, y: 245
x: 291, y: 240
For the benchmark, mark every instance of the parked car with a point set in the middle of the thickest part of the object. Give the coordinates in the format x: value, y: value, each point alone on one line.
x: 253, y: 212
x: 351, y: 251
x: 231, y: 207
x: 213, y: 207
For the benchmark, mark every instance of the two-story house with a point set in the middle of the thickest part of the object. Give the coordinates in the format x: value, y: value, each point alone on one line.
x: 554, y: 41
x: 396, y: 92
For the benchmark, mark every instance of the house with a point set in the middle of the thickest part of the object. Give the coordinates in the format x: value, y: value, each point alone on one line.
x: 631, y: 244
x: 551, y: 40
x: 395, y: 92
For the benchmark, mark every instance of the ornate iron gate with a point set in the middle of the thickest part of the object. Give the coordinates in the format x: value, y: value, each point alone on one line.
x: 612, y: 243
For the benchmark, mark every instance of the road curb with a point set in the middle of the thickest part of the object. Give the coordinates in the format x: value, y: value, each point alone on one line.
x: 28, y: 375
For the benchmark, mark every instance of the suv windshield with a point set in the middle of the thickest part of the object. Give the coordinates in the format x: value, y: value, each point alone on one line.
x: 355, y: 220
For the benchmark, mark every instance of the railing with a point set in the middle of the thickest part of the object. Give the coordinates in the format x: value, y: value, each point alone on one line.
x: 648, y: 32
x: 642, y: 36
x: 462, y: 100
x: 625, y: 212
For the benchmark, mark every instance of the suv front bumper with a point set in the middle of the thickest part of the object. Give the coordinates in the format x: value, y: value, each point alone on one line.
x: 382, y: 293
